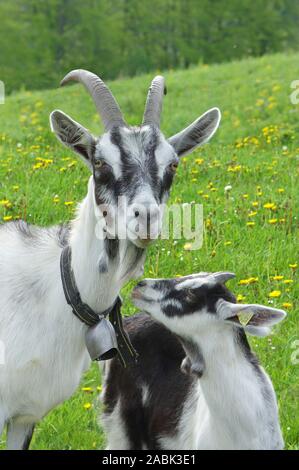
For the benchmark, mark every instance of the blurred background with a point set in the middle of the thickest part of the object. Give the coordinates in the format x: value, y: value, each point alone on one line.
x: 41, y: 40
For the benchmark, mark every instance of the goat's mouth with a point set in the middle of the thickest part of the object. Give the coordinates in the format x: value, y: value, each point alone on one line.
x: 142, y: 242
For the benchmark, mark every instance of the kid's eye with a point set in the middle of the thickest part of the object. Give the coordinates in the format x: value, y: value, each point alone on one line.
x: 99, y: 164
x: 173, y: 166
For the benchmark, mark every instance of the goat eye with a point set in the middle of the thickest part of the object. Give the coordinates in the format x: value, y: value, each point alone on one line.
x: 98, y: 164
x: 173, y: 167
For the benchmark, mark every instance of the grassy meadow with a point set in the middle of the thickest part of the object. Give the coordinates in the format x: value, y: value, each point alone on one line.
x: 251, y: 227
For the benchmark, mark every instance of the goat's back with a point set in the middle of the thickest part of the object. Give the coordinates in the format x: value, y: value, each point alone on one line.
x: 144, y: 402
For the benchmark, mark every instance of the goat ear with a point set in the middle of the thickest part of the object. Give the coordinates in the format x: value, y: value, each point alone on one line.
x: 255, y: 319
x: 198, y: 133
x: 73, y: 135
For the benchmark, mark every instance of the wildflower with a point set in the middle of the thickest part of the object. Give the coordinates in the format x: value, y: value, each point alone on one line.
x: 270, y: 205
x: 288, y: 281
x: 5, y: 203
x: 87, y: 389
x: 99, y: 388
x: 228, y: 188
x: 187, y: 246
x: 250, y: 224
x: 87, y: 406
x: 56, y: 199
x: 252, y: 213
x: 69, y: 203
x: 280, y: 190
x: 272, y: 221
x: 199, y: 161
x: 293, y: 266
x: 274, y: 294
x: 245, y: 196
x: 250, y: 280
x: 255, y: 204
x: 287, y: 305
x: 240, y: 297
x: 277, y: 278
x: 7, y: 218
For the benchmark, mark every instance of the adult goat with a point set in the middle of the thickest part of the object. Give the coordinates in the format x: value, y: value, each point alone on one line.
x: 45, y: 351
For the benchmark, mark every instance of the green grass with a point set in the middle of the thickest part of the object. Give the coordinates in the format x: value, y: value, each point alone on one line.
x: 260, y: 165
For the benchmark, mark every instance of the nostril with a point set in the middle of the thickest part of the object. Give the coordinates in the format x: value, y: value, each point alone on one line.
x: 136, y: 213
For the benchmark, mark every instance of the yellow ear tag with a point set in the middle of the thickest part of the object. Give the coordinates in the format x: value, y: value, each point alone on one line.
x: 245, y: 318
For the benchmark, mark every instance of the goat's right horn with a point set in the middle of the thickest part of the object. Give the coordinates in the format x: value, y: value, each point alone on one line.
x: 105, y: 102
x: 223, y: 277
x: 153, y: 106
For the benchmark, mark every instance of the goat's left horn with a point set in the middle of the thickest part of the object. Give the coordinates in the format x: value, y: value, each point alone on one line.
x: 105, y: 102
x: 153, y: 106
x: 223, y: 277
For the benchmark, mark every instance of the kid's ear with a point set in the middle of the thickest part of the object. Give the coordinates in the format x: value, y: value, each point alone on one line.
x: 256, y: 319
x: 198, y: 133
x: 73, y: 135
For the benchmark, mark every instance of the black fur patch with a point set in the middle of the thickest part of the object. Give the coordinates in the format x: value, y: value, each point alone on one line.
x: 158, y: 369
x: 190, y: 301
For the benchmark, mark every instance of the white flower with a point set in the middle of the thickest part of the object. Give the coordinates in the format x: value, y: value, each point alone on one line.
x: 228, y: 188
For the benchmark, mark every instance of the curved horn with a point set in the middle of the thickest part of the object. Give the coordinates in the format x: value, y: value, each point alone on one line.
x: 223, y: 277
x: 105, y: 102
x: 153, y: 107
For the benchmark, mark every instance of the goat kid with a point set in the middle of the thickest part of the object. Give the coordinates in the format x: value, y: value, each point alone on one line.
x: 197, y: 384
x: 45, y: 353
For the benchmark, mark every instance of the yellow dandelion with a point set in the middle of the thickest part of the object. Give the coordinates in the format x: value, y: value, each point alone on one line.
x: 252, y: 213
x: 7, y: 218
x: 250, y: 224
x: 87, y: 406
x: 277, y: 278
x: 56, y: 199
x: 250, y: 280
x: 255, y: 204
x: 272, y: 221
x: 280, y: 190
x: 293, y: 265
x: 99, y: 388
x: 245, y: 196
x: 287, y: 305
x: 274, y: 294
x: 288, y: 281
x: 240, y: 297
x: 69, y: 203
x: 87, y: 389
x: 269, y: 205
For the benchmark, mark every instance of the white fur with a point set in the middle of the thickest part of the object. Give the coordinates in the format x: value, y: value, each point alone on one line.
x: 45, y: 353
x: 232, y: 406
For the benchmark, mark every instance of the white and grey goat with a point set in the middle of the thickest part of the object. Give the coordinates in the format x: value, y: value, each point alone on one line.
x: 45, y: 353
x: 197, y: 384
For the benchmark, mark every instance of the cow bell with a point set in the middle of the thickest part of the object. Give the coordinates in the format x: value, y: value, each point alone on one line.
x: 101, y: 341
